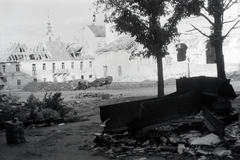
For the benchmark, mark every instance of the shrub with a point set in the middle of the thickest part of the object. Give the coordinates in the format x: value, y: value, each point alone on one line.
x: 55, y: 102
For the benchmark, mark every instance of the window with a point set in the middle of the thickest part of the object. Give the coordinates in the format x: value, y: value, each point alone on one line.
x: 44, y: 66
x: 63, y: 66
x: 81, y: 65
x: 182, y: 50
x: 33, y: 67
x: 64, y: 79
x: 90, y: 76
x: 53, y: 66
x: 54, y: 79
x: 17, y: 68
x: 18, y: 82
x: 90, y: 64
x: 4, y: 68
x: 72, y: 65
x: 119, y: 70
x: 44, y: 79
x: 35, y: 79
x: 82, y: 76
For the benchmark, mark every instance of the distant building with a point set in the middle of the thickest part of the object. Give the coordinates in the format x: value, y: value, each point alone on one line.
x: 49, y: 61
x: 92, y: 37
x: 115, y: 60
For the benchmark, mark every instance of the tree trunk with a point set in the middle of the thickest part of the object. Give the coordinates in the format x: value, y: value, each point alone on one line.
x: 220, y: 60
x: 160, y: 75
x: 218, y: 44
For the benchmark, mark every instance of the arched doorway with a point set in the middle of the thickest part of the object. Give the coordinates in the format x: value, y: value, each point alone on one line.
x: 182, y: 51
x: 210, y: 54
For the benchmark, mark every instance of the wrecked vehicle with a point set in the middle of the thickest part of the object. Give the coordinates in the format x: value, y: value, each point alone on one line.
x: 199, y: 102
x: 83, y: 85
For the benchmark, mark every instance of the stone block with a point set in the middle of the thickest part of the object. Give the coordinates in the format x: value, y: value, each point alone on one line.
x: 14, y: 132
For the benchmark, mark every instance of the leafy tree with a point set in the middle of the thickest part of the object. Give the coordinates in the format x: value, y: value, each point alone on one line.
x: 216, y: 9
x: 143, y: 19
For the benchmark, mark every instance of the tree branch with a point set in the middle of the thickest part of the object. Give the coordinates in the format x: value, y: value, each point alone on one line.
x: 229, y: 4
x: 230, y: 20
x: 207, y: 19
x: 233, y: 27
x: 200, y: 31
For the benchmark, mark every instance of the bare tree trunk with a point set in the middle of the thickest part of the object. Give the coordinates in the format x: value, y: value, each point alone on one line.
x: 160, y: 75
x: 220, y: 61
x: 218, y: 44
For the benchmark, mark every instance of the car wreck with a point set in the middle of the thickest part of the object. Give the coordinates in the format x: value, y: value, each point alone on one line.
x: 143, y: 121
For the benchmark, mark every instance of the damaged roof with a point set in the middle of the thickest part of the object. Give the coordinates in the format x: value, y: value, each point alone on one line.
x: 57, y: 50
x: 49, y: 50
x: 15, y: 51
x: 121, y: 43
x: 98, y: 31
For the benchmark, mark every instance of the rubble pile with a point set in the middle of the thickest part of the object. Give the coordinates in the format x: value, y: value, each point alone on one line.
x: 66, y: 86
x: 197, y: 120
x: 50, y: 86
x: 189, y: 140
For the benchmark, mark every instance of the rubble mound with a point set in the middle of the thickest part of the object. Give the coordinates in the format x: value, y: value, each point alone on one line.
x: 51, y: 86
x: 101, y: 83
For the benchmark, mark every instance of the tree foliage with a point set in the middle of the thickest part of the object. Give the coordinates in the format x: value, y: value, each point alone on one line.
x: 152, y: 22
x: 142, y: 19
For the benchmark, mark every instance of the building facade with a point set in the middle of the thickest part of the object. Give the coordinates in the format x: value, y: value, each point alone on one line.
x: 48, y: 62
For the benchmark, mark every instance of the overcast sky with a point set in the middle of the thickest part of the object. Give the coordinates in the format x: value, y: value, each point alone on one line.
x: 25, y: 21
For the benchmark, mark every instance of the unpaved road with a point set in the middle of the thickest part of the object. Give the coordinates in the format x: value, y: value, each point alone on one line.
x: 71, y: 141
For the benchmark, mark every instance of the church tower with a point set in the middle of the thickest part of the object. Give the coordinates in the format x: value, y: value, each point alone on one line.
x: 49, y: 30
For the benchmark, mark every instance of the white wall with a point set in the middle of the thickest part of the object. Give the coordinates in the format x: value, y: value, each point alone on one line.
x: 134, y: 70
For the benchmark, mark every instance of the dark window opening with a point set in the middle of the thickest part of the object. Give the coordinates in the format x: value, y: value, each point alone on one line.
x: 90, y: 64
x: 81, y: 65
x: 210, y: 54
x: 4, y: 68
x: 53, y: 66
x: 44, y: 66
x: 17, y: 68
x: 182, y: 50
x: 72, y: 65
x: 19, y: 82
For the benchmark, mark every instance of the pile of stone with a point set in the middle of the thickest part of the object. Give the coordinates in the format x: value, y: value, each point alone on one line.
x: 50, y: 86
x: 66, y: 86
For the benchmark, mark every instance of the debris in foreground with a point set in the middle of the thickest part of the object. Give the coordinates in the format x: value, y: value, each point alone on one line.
x: 191, y: 121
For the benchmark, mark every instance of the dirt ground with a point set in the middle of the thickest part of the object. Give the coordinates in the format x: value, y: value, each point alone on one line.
x: 73, y: 141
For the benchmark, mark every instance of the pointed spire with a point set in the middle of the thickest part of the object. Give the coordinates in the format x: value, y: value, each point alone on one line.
x: 49, y: 29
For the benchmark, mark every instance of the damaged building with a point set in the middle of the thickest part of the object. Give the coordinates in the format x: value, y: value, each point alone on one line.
x: 50, y: 61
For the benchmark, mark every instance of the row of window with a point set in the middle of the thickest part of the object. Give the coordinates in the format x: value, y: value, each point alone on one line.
x: 44, y: 66
x: 4, y: 68
x: 63, y: 66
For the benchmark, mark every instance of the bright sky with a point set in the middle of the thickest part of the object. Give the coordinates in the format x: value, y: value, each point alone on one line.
x: 25, y: 21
